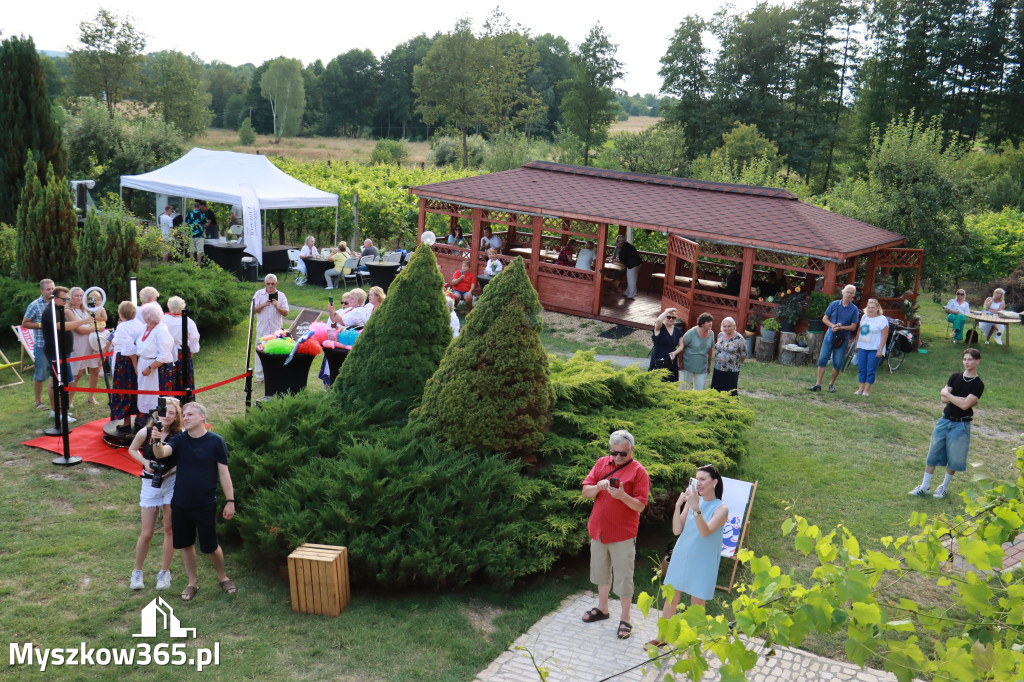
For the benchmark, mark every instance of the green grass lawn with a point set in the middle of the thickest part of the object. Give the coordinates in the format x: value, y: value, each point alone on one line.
x: 67, y: 536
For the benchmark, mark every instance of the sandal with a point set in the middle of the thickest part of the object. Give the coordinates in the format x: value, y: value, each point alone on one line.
x: 595, y: 614
x: 228, y: 586
x: 657, y: 643
x: 189, y: 592
x: 625, y: 630
x: 40, y: 406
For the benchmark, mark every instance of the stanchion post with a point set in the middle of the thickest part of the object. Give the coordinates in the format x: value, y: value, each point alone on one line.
x: 248, y: 356
x: 187, y: 379
x: 63, y: 371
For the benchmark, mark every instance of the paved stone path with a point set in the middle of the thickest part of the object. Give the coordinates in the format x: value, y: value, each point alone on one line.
x: 573, y: 650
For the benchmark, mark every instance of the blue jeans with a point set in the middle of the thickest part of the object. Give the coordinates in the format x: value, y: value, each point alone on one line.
x: 950, y: 442
x: 867, y: 365
x: 41, y: 372
x: 836, y: 353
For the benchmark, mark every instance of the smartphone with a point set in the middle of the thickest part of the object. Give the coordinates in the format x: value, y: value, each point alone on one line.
x: 330, y: 299
x: 161, y: 407
x: 613, y: 482
x: 273, y: 296
x: 693, y: 484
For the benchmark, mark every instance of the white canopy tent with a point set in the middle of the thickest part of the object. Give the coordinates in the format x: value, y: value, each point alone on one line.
x: 220, y: 176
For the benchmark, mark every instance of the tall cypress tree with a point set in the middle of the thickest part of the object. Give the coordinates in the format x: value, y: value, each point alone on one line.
x: 25, y: 123
x: 492, y: 390
x: 47, y: 228
x: 92, y: 252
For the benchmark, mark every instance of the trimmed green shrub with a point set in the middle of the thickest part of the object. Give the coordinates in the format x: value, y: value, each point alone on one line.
x: 16, y: 295
x: 403, y: 341
x: 447, y: 151
x: 676, y: 431
x: 491, y: 391
x: 394, y: 152
x: 215, y: 300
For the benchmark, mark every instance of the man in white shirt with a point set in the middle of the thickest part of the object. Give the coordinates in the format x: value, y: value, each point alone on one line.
x: 166, y: 225
x: 271, y: 307
x: 585, y: 258
x: 489, y: 240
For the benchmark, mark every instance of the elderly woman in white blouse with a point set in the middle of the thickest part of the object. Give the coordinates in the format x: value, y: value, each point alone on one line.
x: 354, y: 316
x: 170, y: 374
x: 155, y: 348
x: 993, y: 305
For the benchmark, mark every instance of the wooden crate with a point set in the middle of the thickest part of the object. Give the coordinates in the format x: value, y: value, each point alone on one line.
x: 318, y: 576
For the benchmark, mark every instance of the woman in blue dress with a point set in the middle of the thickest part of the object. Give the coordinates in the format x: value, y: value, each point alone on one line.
x: 698, y: 521
x: 666, y: 337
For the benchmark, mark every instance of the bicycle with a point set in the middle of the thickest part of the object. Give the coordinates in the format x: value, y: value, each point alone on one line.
x: 899, y: 342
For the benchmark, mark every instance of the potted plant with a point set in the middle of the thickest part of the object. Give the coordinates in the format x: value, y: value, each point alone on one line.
x: 790, y: 309
x: 817, y: 304
x: 768, y: 329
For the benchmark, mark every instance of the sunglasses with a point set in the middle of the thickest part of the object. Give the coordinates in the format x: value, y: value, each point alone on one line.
x: 670, y: 317
x: 616, y: 453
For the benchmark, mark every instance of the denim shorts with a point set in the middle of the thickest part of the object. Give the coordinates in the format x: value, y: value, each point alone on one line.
x: 836, y: 352
x: 42, y: 368
x: 950, y: 442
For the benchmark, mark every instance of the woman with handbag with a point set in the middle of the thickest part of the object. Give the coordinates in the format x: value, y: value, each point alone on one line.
x: 698, y: 520
x: 730, y: 351
x: 666, y: 337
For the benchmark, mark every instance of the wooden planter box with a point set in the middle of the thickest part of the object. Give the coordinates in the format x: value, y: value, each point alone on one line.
x: 318, y: 577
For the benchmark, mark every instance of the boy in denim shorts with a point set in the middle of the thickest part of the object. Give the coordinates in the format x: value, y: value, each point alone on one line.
x: 951, y: 437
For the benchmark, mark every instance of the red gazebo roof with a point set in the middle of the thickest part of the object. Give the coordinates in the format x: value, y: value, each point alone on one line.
x: 762, y: 217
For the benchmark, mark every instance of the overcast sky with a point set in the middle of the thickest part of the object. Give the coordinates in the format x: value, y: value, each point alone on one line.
x: 312, y: 29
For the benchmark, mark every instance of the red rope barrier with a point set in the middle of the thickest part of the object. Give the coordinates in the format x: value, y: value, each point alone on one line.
x: 80, y: 358
x: 221, y: 383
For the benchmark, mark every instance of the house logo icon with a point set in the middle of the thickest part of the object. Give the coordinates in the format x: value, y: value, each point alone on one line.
x: 158, y: 611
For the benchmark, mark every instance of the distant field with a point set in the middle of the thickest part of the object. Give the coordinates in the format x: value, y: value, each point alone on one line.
x: 304, y: 148
x: 634, y: 124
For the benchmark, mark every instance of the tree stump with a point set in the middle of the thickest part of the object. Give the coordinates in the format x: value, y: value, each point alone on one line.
x: 794, y: 358
x: 784, y: 338
x: 764, y: 352
x: 814, y: 342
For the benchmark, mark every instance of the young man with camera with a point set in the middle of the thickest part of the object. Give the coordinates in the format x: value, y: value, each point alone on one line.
x: 619, y: 485
x: 271, y: 308
x: 202, y: 459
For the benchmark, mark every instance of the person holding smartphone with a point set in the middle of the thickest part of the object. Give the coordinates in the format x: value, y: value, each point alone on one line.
x: 156, y: 493
x: 271, y: 307
x: 619, y: 486
x: 698, y: 520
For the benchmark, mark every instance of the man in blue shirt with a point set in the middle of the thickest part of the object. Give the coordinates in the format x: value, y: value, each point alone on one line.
x: 196, y: 220
x: 840, y: 319
x: 33, y: 319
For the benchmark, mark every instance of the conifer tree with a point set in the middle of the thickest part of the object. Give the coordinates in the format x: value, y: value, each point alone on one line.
x: 403, y: 341
x: 492, y: 390
x: 92, y: 252
x: 47, y: 228
x: 25, y: 123
x: 121, y: 255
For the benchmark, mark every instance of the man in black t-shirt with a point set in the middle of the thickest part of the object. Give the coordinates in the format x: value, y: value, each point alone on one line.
x: 951, y: 437
x: 627, y: 254
x: 202, y: 460
x: 212, y: 228
x: 60, y: 300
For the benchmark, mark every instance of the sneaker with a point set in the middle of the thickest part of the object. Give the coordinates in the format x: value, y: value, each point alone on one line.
x: 163, y: 580
x: 136, y: 583
x: 831, y: 388
x: 815, y: 387
x: 940, y: 492
x: 919, y: 491
x: 328, y: 288
x: 999, y: 339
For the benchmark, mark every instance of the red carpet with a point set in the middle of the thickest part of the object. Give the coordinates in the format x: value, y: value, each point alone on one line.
x: 87, y: 442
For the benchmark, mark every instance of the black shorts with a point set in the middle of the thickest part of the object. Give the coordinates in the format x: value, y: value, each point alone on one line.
x: 187, y: 522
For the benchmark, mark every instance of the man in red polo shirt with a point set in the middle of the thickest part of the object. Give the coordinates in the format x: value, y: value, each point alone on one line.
x: 463, y: 283
x: 619, y: 486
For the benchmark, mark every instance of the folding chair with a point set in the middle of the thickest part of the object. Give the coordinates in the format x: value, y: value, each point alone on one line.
x: 293, y: 260
x: 392, y: 257
x: 352, y: 265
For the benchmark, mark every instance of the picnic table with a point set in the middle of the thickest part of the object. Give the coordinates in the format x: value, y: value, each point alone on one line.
x: 980, y: 317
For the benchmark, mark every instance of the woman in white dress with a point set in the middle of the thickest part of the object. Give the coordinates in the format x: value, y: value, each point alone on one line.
x: 170, y: 374
x: 81, y: 341
x: 155, y: 348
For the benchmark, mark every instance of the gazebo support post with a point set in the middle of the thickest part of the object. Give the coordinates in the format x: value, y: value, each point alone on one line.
x: 869, y: 272
x: 829, y: 286
x: 421, y: 221
x: 602, y: 243
x: 537, y: 226
x: 746, y: 278
x: 478, y: 233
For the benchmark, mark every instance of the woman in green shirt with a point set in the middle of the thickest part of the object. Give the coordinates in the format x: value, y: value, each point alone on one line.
x: 696, y: 349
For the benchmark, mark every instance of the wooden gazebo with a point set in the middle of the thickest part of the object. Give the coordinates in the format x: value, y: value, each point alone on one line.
x: 711, y: 229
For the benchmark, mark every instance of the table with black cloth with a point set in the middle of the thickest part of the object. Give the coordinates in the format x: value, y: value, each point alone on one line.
x: 382, y: 274
x: 284, y: 379
x: 315, y: 269
x: 227, y: 256
x: 275, y: 258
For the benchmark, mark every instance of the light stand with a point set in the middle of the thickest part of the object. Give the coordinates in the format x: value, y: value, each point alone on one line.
x: 248, y: 356
x: 60, y: 415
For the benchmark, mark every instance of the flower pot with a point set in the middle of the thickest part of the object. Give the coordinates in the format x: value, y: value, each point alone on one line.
x: 335, y: 358
x: 750, y: 345
x: 284, y: 379
x: 815, y: 325
x: 768, y: 335
x: 787, y: 326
